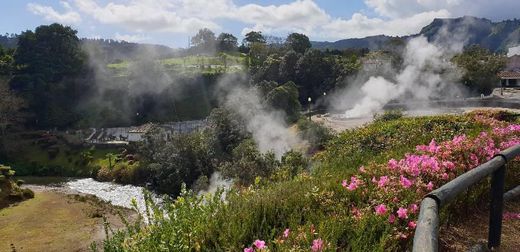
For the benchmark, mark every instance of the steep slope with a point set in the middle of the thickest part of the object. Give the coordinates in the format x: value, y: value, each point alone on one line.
x: 496, y: 36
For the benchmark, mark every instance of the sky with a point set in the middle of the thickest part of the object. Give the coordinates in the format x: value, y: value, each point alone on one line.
x: 172, y: 22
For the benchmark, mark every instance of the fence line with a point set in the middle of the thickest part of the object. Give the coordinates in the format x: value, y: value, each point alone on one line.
x: 427, y: 230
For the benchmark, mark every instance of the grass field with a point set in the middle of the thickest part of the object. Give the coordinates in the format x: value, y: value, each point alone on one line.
x: 193, y: 64
x: 54, y: 221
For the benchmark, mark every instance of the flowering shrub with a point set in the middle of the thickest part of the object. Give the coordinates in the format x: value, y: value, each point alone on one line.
x: 393, y: 190
x: 363, y: 192
x: 420, y: 172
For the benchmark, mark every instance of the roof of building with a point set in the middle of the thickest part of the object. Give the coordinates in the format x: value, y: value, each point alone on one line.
x: 509, y: 74
x: 141, y: 129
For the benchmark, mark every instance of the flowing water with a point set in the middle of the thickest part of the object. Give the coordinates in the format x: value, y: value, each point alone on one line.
x: 116, y: 194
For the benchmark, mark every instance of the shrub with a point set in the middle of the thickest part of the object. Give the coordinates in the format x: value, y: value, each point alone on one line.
x: 388, y: 115
x: 247, y: 163
x: 362, y: 194
x: 315, y: 133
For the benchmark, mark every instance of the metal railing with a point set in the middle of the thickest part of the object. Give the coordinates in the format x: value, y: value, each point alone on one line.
x: 427, y: 230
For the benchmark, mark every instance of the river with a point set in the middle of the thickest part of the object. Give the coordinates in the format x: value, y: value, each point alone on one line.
x: 116, y: 194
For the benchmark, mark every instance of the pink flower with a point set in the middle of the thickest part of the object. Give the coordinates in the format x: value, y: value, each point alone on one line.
x: 449, y: 165
x: 391, y: 218
x: 429, y: 186
x: 352, y: 187
x: 383, y: 180
x: 344, y: 183
x: 474, y: 159
x: 362, y: 169
x: 355, y: 211
x: 286, y: 233
x: 380, y: 209
x: 260, y: 244
x: 413, y: 208
x: 392, y: 164
x: 250, y: 249
x: 511, y: 216
x: 317, y: 245
x: 402, y: 213
x: 445, y: 176
x: 432, y: 147
x: 406, y: 183
x: 354, y: 183
x: 412, y: 224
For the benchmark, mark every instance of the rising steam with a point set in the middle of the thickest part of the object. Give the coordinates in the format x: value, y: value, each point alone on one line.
x: 426, y: 74
x: 266, y: 125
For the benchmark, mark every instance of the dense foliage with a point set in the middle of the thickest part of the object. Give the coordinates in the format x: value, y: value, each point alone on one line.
x: 50, y: 74
x: 480, y: 68
x: 356, y: 198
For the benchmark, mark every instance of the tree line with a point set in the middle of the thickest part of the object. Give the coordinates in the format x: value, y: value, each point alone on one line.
x: 49, y: 71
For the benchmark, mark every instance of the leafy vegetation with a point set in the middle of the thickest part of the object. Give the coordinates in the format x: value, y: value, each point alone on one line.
x: 50, y: 64
x: 480, y: 68
x: 334, y: 206
x: 10, y: 190
x: 44, y: 154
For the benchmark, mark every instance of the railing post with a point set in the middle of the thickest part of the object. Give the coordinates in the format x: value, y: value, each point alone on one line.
x: 496, y: 207
x: 426, y: 232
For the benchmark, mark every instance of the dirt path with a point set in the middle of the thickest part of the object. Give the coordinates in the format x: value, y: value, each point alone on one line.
x: 470, y: 231
x: 55, y: 221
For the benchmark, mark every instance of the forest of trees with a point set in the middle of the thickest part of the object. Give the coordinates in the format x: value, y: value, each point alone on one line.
x: 48, y: 81
x: 50, y: 72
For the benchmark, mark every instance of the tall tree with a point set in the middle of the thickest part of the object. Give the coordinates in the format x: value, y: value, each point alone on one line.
x: 204, y: 40
x: 6, y: 61
x: 285, y: 98
x: 298, y: 42
x: 288, y: 66
x: 315, y: 74
x: 49, y: 64
x: 253, y: 37
x: 226, y: 42
x: 10, y: 106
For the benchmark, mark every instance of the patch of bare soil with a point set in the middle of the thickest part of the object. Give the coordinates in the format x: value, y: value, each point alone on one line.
x: 55, y: 221
x: 473, y: 229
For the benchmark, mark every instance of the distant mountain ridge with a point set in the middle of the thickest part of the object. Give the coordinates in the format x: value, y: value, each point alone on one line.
x: 496, y: 36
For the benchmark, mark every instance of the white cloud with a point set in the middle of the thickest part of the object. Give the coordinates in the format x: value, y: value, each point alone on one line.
x: 49, y: 14
x: 391, y: 17
x: 496, y: 9
x: 141, y: 16
x: 361, y: 26
x: 299, y: 16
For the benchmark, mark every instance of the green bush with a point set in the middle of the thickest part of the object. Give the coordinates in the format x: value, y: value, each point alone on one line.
x: 388, y: 115
x: 247, y: 163
x: 312, y: 204
x: 315, y: 133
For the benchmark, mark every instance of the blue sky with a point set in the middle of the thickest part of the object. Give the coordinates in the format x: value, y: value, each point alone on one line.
x: 172, y: 22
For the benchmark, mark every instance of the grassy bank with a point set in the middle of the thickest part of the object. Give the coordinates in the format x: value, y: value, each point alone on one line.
x: 43, y: 154
x: 193, y: 64
x: 343, y: 202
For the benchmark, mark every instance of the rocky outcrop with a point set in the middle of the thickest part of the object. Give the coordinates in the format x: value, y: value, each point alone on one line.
x: 10, y: 191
